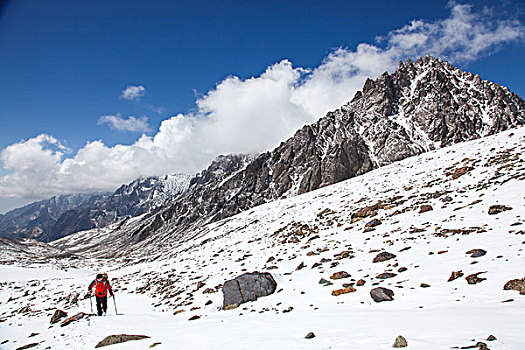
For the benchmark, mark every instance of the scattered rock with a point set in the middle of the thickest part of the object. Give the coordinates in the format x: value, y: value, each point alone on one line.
x: 476, y: 253
x: 343, y: 291
x: 310, y: 335
x: 28, y: 346
x: 498, y: 208
x: 424, y: 208
x: 74, y: 318
x: 57, y: 316
x: 193, y: 318
x: 473, y: 279
x: 491, y: 338
x: 340, y: 275
x: 360, y: 283
x: 380, y: 294
x: 155, y: 344
x: 300, y: 266
x: 373, y: 223
x: 179, y: 311
x: 424, y: 285
x: 208, y: 291
x: 367, y: 211
x: 386, y: 275
x: 517, y: 284
x: 455, y: 275
x: 459, y: 172
x: 33, y: 335
x: 400, y: 342
x: 118, y: 338
x: 384, y: 256
x: 200, y: 284
x: 323, y: 281
x: 247, y: 287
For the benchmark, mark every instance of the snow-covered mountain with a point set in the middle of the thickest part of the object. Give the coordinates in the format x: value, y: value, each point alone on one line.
x: 60, y: 216
x: 422, y: 106
x: 443, y: 231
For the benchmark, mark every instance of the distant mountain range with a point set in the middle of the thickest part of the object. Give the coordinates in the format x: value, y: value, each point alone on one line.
x: 422, y: 106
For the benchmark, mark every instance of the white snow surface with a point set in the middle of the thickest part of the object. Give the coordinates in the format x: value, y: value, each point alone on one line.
x: 150, y: 288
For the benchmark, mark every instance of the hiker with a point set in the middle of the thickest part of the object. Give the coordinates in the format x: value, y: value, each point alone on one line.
x: 102, y: 287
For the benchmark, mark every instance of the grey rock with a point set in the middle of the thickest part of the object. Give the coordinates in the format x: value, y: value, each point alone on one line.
x: 247, y: 287
x: 381, y: 294
x: 310, y: 335
x: 383, y: 256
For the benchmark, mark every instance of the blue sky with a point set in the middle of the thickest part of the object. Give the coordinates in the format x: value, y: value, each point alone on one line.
x: 65, y: 64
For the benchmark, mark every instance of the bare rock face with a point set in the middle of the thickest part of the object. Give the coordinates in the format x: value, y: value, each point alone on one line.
x: 119, y: 338
x: 247, y: 287
x: 381, y: 294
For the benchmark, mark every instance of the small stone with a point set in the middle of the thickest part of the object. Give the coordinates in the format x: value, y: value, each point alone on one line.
x: 57, y: 316
x: 474, y: 279
x: 386, y: 275
x: 455, y: 275
x: 179, y: 311
x: 384, y: 256
x: 360, y: 283
x: 119, y: 338
x: 498, y: 208
x: 516, y: 284
x: 476, y: 253
x: 340, y: 275
x: 196, y: 317
x: 310, y: 335
x: 400, y: 342
x: 424, y: 208
x: 323, y: 281
x: 373, y: 223
x: 300, y: 266
x: 424, y: 285
x: 380, y: 294
x: 491, y: 338
x: 155, y: 344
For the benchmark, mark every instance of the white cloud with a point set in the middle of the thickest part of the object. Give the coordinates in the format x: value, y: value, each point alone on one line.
x: 133, y: 92
x: 245, y: 115
x: 116, y: 122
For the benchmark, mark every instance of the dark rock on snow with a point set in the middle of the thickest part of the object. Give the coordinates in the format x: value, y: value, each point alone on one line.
x: 424, y: 208
x: 517, y: 284
x: 474, y: 279
x: 247, y: 287
x: 119, y: 338
x: 381, y: 294
x: 400, y: 342
x: 57, y: 316
x: 497, y: 208
x: 310, y: 335
x: 384, y: 256
x: 476, y: 253
x: 455, y: 275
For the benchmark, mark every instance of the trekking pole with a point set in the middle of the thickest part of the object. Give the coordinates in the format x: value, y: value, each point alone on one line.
x: 90, y: 303
x: 115, y: 303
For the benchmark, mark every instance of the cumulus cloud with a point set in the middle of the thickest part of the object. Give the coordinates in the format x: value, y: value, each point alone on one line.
x: 246, y: 115
x: 116, y: 122
x: 133, y: 92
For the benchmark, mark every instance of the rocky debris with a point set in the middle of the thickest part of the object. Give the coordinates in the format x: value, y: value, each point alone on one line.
x: 384, y: 256
x: 386, y: 275
x: 360, y: 282
x: 57, y: 316
x: 28, y: 346
x: 424, y: 208
x: 247, y: 287
x: 193, y: 318
x: 343, y: 291
x: 458, y: 172
x: 474, y: 279
x: 300, y: 266
x: 491, y: 338
x: 155, y: 344
x: 119, y: 338
x: 498, y: 208
x: 323, y: 281
x: 516, y: 284
x: 74, y: 318
x: 380, y: 294
x: 340, y: 275
x: 476, y: 253
x: 424, y: 285
x: 400, y: 342
x: 455, y: 275
x: 373, y: 223
x: 370, y: 210
x: 310, y: 335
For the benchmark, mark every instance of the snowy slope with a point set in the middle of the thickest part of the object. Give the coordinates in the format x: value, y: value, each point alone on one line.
x: 156, y: 281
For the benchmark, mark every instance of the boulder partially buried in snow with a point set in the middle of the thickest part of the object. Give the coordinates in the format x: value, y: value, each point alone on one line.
x: 118, y: 338
x: 247, y: 287
x: 381, y: 294
x: 57, y: 316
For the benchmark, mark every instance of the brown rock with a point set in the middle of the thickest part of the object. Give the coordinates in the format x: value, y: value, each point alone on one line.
x: 343, y: 291
x: 424, y: 208
x: 196, y: 317
x: 474, y: 279
x: 497, y: 208
x: 517, y: 284
x: 424, y: 285
x: 373, y: 223
x: 310, y: 335
x: 28, y: 346
x: 386, y: 275
x: 460, y: 172
x: 400, y: 342
x: 57, y: 316
x: 74, y: 318
x: 118, y: 338
x: 455, y: 275
x: 360, y: 283
x: 339, y: 275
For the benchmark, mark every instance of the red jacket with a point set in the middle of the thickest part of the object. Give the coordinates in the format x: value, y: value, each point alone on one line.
x: 102, y: 287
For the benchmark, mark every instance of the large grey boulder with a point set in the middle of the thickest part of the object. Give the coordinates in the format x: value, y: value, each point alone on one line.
x: 247, y: 287
x: 381, y: 294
